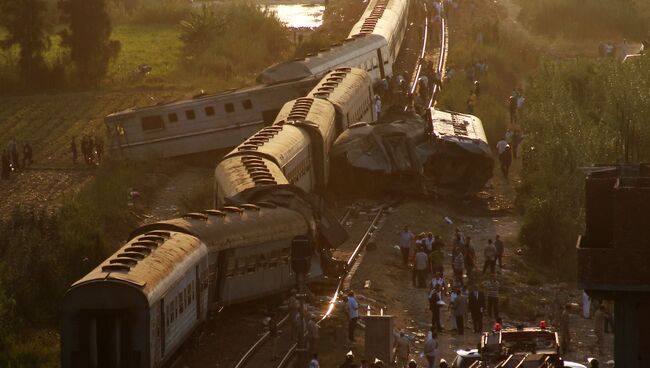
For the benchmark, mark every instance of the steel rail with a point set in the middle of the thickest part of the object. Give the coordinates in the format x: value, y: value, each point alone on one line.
x: 351, y: 260
x: 258, y: 344
x: 442, y: 60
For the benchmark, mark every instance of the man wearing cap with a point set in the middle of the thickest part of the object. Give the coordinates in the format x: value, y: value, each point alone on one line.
x: 431, y: 348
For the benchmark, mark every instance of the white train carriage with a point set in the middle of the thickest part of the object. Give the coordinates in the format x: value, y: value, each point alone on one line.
x: 136, y: 308
x: 350, y: 91
x: 386, y: 18
x: 367, y: 52
x: 204, y: 123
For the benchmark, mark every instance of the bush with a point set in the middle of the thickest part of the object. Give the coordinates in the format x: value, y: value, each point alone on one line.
x: 578, y: 113
x: 150, y: 12
x: 585, y: 18
x: 233, y: 38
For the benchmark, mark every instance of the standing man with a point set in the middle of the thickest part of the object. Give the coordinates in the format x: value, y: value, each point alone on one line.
x: 421, y: 267
x: 27, y: 155
x: 469, y: 257
x: 565, y: 328
x: 512, y: 108
x: 436, y: 260
x: 377, y: 106
x: 313, y: 334
x: 431, y: 347
x: 273, y: 335
x: 405, y: 241
x: 353, y: 312
x: 457, y: 265
x: 73, y: 150
x: 435, y: 298
x: 476, y: 305
x: 402, y: 349
x: 498, y: 245
x: 460, y: 310
x: 492, y: 288
x: 490, y: 255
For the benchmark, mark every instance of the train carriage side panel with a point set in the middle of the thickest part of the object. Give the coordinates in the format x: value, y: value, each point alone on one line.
x: 110, y: 315
x: 318, y: 119
x: 206, y: 122
x: 350, y: 91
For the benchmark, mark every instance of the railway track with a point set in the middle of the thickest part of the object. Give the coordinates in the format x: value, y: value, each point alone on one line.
x: 257, y: 354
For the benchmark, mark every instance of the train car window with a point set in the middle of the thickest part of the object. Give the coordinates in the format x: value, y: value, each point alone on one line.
x: 188, y: 296
x: 229, y: 107
x: 247, y: 104
x: 173, y: 117
x: 154, y: 122
x: 180, y: 302
x: 190, y: 114
x: 250, y: 266
x: 230, y: 268
x: 209, y: 111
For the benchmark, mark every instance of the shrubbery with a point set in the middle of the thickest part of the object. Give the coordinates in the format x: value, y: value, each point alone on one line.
x: 233, y: 38
x: 150, y: 12
x: 43, y: 252
x: 586, y: 18
x: 578, y: 113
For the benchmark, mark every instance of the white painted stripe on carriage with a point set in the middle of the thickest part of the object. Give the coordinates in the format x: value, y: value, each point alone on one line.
x: 202, y: 132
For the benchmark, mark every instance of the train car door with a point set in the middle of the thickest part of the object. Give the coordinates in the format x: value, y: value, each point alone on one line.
x: 197, y: 292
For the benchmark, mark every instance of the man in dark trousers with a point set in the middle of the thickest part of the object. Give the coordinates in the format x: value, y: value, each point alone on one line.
x: 435, y: 298
x: 27, y: 155
x: 73, y: 150
x: 476, y: 305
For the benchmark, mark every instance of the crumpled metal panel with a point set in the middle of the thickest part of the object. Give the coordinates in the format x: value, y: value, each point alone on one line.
x: 450, y: 154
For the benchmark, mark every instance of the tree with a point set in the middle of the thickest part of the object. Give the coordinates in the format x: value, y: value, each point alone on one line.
x: 88, y: 38
x: 26, y: 27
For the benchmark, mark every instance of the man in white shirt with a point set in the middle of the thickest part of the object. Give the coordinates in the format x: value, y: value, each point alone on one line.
x: 377, y: 106
x: 431, y: 348
x: 405, y: 241
x: 353, y: 313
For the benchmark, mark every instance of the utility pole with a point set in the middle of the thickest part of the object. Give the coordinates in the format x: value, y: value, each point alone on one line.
x: 301, y: 253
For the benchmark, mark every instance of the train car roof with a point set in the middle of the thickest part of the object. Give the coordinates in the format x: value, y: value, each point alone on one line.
x: 447, y: 124
x: 340, y: 85
x: 322, y: 62
x: 379, y: 16
x: 147, y: 260
x: 239, y: 173
x: 313, y: 112
x: 236, y: 226
x: 207, y: 97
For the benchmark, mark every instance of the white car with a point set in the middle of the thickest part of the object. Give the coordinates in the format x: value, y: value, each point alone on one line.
x: 465, y: 358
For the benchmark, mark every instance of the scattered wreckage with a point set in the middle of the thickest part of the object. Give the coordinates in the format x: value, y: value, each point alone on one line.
x: 444, y: 152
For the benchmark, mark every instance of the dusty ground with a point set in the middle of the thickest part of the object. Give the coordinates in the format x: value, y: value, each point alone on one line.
x: 524, y: 298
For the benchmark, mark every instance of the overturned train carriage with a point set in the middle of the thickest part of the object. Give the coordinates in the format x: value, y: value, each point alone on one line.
x: 447, y: 153
x: 137, y: 307
x: 203, y: 123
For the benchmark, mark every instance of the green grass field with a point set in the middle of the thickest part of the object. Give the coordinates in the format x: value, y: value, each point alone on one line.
x: 157, y: 45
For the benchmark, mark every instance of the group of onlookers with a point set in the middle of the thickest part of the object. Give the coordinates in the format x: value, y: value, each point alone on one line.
x: 11, y: 159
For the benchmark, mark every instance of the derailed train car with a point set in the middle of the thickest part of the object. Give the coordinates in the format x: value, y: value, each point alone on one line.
x: 447, y: 153
x: 296, y: 148
x: 138, y: 306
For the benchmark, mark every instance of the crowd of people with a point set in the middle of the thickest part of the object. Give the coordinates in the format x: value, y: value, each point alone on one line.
x: 11, y: 159
x: 92, y: 149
